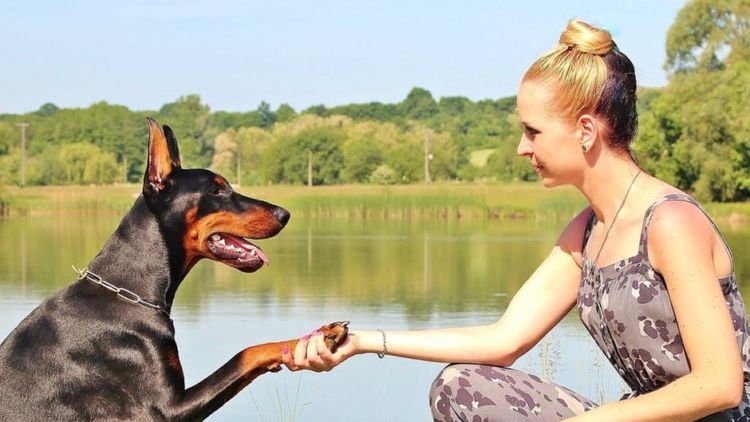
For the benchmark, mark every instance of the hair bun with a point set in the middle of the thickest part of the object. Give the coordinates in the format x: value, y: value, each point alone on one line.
x: 587, y: 38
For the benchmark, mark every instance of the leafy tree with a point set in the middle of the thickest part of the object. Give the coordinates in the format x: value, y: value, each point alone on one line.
x: 318, y: 110
x: 707, y: 34
x: 285, y: 113
x: 9, y: 167
x: 224, y: 120
x: 405, y: 157
x: 86, y: 163
x: 454, y: 106
x: 47, y: 109
x: 189, y: 119
x: 419, y: 104
x: 253, y: 144
x: 266, y: 116
x: 7, y: 133
x: 716, y: 180
x: 383, y: 175
x: 694, y: 132
x: 405, y: 154
x: 287, y: 159
x: 363, y: 149
x: 224, y: 160
x: 369, y: 111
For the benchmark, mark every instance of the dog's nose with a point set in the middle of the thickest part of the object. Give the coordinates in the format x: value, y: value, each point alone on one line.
x: 282, y: 215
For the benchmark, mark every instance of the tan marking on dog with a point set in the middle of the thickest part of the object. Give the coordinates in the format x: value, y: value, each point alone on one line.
x: 173, y: 361
x: 254, y: 225
x: 160, y: 165
x: 220, y: 181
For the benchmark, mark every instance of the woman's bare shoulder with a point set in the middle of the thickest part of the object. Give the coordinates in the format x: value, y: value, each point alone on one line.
x: 571, y: 238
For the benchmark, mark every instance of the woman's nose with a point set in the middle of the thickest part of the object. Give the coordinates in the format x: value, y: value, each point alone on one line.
x: 524, y: 147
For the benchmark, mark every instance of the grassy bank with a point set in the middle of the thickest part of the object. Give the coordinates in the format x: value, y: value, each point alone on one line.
x: 437, y: 200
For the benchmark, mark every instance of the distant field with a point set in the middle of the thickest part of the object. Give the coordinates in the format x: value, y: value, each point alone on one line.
x: 436, y: 200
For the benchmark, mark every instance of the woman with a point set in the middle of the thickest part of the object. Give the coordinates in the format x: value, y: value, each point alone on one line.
x: 646, y: 268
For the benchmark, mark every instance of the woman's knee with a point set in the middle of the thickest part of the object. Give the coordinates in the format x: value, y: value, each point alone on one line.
x: 458, y: 394
x: 442, y: 393
x: 448, y: 378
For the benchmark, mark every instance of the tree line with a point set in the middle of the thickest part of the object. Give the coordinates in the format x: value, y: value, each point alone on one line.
x: 694, y: 132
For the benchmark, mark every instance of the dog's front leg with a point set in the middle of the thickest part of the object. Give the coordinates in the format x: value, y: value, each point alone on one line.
x: 204, y: 398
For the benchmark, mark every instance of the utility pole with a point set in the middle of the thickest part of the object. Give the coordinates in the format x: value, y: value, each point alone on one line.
x: 427, y: 156
x: 23, y: 127
x: 309, y: 168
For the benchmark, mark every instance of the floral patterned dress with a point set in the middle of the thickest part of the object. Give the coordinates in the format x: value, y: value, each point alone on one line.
x: 626, y: 308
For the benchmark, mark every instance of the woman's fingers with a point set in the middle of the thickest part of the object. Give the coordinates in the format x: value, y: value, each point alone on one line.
x: 300, y: 352
x: 288, y: 359
x: 324, y: 353
x: 315, y: 346
x: 311, y: 352
x: 296, y: 359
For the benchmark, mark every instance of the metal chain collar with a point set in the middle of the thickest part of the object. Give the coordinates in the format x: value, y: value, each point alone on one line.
x: 122, y: 293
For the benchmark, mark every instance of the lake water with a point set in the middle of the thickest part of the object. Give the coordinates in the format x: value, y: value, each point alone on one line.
x: 396, y: 275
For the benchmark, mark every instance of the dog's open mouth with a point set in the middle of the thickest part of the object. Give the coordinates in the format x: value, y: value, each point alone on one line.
x: 237, y: 251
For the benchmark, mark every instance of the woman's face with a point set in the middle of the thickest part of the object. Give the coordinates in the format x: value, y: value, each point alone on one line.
x: 550, y: 143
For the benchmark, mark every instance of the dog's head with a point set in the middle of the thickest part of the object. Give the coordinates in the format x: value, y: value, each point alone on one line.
x: 199, y: 210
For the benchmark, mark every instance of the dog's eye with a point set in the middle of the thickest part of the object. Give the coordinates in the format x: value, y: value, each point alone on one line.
x: 217, y: 190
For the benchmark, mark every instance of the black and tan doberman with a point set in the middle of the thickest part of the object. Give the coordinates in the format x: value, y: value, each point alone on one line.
x: 104, y: 348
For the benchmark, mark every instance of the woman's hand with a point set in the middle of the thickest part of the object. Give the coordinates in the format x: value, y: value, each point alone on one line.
x: 312, y: 353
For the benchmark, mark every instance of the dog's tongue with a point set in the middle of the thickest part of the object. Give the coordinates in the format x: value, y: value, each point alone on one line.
x: 245, y: 244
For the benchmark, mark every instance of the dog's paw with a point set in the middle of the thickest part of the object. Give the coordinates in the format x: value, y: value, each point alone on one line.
x: 274, y: 368
x: 334, y: 334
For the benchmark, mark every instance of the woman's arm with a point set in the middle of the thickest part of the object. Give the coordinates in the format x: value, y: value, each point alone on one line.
x: 680, y: 246
x: 543, y: 300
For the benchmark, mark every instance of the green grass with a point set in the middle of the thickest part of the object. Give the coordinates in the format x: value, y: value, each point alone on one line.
x: 444, y: 200
x: 44, y: 200
x: 478, y: 158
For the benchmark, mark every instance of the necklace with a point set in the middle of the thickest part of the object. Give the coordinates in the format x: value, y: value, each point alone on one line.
x: 606, y: 235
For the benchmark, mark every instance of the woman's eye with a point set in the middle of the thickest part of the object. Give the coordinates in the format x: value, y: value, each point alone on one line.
x: 531, y: 132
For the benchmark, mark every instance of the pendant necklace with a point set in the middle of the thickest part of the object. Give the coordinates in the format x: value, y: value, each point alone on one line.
x: 592, y: 265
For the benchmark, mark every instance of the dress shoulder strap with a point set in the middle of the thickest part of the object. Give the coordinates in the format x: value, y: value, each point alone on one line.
x: 587, y: 232
x: 643, y: 245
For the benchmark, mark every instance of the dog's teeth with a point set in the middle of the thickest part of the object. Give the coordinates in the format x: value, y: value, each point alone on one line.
x: 253, y: 253
x: 215, y: 237
x: 223, y: 242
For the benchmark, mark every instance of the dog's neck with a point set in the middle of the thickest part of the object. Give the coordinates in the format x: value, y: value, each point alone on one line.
x: 137, y: 257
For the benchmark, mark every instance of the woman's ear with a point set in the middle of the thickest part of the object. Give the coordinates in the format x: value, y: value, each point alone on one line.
x: 588, y: 131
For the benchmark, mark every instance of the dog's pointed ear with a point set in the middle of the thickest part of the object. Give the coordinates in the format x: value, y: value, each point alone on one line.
x: 174, y: 151
x: 163, y: 156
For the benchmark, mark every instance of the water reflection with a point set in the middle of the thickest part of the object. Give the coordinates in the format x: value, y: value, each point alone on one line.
x: 392, y: 274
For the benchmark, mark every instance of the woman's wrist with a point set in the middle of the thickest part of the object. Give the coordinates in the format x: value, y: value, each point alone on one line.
x: 368, y: 341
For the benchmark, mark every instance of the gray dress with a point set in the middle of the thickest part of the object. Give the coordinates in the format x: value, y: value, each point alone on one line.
x: 626, y: 308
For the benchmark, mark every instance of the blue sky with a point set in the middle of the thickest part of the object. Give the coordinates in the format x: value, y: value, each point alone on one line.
x: 234, y: 54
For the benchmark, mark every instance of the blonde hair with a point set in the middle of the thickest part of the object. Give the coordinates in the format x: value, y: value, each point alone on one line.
x: 589, y: 74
